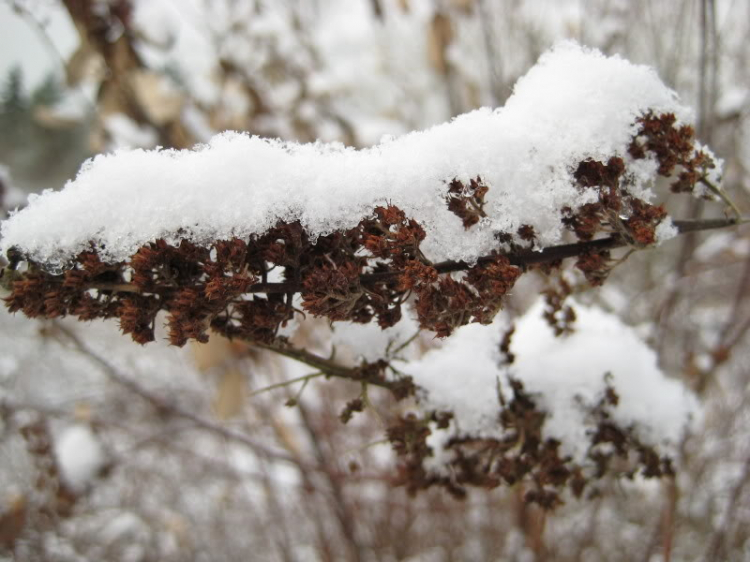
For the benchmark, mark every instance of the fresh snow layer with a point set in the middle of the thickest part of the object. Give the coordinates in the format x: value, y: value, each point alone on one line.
x: 568, y: 373
x: 567, y: 376
x: 573, y: 105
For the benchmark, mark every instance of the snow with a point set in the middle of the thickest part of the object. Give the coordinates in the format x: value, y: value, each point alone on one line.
x: 573, y: 105
x: 369, y: 342
x: 462, y: 377
x: 80, y: 455
x: 11, y: 197
x: 665, y: 230
x: 567, y: 376
x: 124, y: 132
x: 720, y: 242
x: 732, y: 103
x: 569, y: 373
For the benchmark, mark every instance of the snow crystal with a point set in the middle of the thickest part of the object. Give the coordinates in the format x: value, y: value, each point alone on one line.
x: 573, y: 105
x: 566, y: 375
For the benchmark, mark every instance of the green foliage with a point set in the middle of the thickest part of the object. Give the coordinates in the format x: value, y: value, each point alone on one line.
x: 48, y: 93
x: 14, y: 105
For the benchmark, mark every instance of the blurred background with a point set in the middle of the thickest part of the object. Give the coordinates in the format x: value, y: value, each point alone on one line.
x: 112, y: 451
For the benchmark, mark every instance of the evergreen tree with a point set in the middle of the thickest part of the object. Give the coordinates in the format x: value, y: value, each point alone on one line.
x: 14, y: 105
x: 40, y: 154
x: 14, y: 116
x: 12, y: 96
x: 47, y: 93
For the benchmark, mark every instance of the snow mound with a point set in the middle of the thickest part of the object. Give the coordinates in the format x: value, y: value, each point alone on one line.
x: 575, y: 104
x: 567, y: 377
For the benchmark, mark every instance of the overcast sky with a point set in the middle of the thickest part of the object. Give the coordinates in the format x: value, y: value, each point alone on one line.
x: 22, y: 43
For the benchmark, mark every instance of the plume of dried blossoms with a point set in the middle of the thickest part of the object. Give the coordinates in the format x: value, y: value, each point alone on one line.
x: 368, y: 274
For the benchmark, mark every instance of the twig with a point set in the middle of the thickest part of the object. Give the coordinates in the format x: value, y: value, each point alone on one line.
x: 717, y: 547
x: 33, y: 22
x: 116, y: 287
x: 403, y: 345
x: 163, y: 405
x: 723, y: 196
x: 283, y: 384
x: 340, y: 507
x: 368, y: 404
x: 326, y: 366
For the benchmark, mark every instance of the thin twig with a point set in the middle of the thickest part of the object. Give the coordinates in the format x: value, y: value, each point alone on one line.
x: 368, y: 404
x: 326, y: 366
x: 340, y: 506
x: 716, y: 549
x: 403, y: 345
x: 716, y: 190
x: 41, y: 29
x: 162, y: 404
x: 303, y: 378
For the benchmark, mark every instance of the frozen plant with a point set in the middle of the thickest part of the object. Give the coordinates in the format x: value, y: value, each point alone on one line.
x: 242, y: 236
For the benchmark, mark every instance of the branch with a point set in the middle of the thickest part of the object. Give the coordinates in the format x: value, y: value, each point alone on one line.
x: 522, y: 258
x: 369, y: 373
x: 198, y: 298
x: 517, y: 258
x: 554, y: 253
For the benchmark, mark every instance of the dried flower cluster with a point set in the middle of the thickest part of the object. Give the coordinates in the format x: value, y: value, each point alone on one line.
x: 558, y: 314
x: 674, y: 147
x: 367, y: 273
x: 361, y: 274
x: 467, y: 202
x: 523, y: 454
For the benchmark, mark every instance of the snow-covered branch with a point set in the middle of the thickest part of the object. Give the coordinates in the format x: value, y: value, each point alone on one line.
x: 427, y: 231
